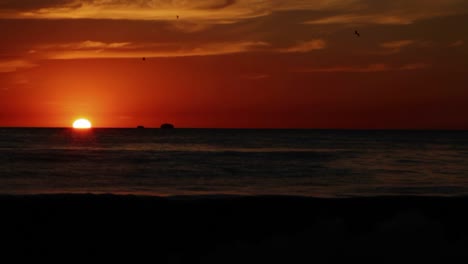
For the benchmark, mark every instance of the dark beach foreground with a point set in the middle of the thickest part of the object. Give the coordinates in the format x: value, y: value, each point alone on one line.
x: 231, y: 229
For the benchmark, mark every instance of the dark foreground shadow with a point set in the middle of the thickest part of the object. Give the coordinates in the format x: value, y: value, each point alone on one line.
x: 235, y: 229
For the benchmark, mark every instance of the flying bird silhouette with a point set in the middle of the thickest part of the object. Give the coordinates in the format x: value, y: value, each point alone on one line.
x: 357, y: 33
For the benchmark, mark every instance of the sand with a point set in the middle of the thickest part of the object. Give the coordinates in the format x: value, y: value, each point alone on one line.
x: 230, y: 229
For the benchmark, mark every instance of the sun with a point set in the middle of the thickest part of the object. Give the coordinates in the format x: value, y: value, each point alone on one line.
x: 82, y: 123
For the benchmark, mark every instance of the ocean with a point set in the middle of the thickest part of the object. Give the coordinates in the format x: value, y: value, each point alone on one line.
x: 317, y: 163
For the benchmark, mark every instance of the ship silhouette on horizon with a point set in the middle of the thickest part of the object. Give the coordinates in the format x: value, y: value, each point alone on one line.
x: 167, y: 126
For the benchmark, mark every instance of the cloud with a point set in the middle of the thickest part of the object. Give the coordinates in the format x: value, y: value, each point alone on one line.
x: 391, y: 12
x: 414, y: 66
x: 14, y: 65
x: 396, y: 46
x: 231, y: 11
x: 220, y: 4
x: 22, y: 5
x: 457, y: 43
x: 303, y: 47
x: 189, y: 27
x: 94, y: 49
x: 97, y: 49
x: 176, y: 4
x: 378, y: 67
x: 255, y: 76
x: 362, y: 19
x: 87, y: 45
x: 215, y: 11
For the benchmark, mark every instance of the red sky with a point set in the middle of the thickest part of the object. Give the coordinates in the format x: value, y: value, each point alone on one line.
x: 235, y: 63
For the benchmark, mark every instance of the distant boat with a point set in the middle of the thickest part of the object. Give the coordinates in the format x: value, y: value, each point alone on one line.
x: 167, y: 126
x: 140, y: 127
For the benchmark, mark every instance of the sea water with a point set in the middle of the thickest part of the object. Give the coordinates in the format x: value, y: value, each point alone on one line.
x: 320, y: 163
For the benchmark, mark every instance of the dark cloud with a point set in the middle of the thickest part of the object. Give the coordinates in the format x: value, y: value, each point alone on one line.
x: 27, y: 5
x: 221, y: 4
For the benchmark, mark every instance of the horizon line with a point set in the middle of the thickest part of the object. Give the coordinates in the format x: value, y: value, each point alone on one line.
x: 249, y: 128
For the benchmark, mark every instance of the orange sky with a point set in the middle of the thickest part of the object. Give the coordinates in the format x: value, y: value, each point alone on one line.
x: 235, y: 63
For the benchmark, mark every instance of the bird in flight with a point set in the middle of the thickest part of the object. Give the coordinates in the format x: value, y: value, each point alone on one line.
x: 357, y: 33
x: 144, y: 59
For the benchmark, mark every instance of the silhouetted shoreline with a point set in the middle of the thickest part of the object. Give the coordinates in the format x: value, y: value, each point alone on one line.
x: 235, y: 229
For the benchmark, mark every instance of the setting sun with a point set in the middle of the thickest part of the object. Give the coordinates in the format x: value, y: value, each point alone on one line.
x: 82, y: 123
